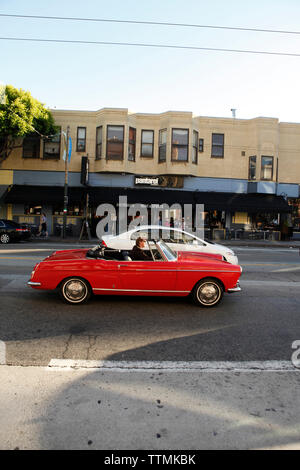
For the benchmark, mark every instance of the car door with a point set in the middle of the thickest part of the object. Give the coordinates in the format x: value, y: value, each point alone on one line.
x: 103, y: 274
x: 148, y: 276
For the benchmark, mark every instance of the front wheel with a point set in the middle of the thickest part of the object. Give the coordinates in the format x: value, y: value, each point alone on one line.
x: 208, y: 293
x: 4, y: 238
x: 75, y: 290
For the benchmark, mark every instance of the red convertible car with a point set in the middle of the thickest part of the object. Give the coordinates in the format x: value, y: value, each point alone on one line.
x: 79, y: 273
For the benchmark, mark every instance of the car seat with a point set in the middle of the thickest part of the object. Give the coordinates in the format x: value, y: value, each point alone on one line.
x: 126, y: 256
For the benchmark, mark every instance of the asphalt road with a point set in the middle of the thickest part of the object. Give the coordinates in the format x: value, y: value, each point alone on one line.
x: 258, y: 324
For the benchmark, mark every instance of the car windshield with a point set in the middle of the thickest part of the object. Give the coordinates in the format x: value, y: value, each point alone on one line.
x: 168, y: 252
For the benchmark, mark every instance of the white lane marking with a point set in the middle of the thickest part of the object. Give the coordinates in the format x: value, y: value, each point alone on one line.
x: 208, y: 366
x: 2, y: 353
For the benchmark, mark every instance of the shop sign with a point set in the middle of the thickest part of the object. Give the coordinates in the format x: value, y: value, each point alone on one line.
x: 159, y: 181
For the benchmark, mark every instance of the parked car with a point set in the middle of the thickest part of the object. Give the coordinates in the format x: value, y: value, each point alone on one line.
x: 175, y: 238
x: 79, y: 273
x: 12, y: 231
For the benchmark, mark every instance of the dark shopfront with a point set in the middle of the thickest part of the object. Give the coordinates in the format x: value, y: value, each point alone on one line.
x: 223, y: 211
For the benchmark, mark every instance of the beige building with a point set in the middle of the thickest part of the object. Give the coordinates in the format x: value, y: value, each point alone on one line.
x: 243, y: 171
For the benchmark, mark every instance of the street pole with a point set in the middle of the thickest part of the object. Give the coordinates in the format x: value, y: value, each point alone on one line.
x: 66, y: 185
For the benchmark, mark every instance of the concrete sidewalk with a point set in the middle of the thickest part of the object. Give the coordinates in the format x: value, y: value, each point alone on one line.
x: 54, y: 408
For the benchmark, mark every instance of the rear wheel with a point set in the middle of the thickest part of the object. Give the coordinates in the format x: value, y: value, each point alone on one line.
x: 75, y: 290
x: 208, y: 292
x: 4, y: 238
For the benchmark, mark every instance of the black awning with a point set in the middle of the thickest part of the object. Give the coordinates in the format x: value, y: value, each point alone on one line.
x: 235, y: 202
x: 25, y: 194
x: 143, y: 196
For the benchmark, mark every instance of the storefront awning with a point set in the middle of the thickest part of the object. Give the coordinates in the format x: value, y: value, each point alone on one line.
x: 232, y: 202
x: 25, y: 194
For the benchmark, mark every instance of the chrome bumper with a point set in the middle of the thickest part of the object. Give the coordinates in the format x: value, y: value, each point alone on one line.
x: 30, y: 283
x: 237, y: 288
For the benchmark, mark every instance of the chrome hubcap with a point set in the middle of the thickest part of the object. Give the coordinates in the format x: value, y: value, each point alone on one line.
x: 208, y: 293
x: 75, y: 290
x: 4, y: 238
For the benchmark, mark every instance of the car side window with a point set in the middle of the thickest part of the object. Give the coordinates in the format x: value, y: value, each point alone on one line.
x: 2, y: 224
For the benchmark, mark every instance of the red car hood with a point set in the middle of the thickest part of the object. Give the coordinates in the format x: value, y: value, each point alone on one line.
x: 67, y: 254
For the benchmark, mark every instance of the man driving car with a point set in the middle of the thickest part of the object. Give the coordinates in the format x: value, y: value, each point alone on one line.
x: 138, y: 253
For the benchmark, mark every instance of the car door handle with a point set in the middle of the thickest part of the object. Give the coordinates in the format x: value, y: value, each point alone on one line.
x: 123, y: 265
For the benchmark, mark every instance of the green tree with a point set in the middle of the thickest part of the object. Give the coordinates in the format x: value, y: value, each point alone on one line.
x: 21, y: 115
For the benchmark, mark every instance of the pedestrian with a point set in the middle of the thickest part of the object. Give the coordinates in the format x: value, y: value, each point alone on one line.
x: 44, y: 232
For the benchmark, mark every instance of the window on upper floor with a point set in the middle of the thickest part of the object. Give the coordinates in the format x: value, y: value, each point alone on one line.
x: 180, y: 145
x: 162, y: 145
x: 81, y: 139
x: 52, y: 147
x: 252, y: 168
x: 31, y: 146
x: 131, y: 144
x: 217, y: 146
x: 195, y: 147
x: 266, y: 168
x: 98, y: 142
x: 115, y: 143
x: 147, y: 144
x: 201, y: 145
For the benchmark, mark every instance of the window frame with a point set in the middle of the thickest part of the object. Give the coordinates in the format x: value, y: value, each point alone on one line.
x: 80, y: 139
x: 222, y: 146
x: 195, y: 147
x: 116, y: 141
x: 98, y: 155
x: 261, y: 168
x: 132, y: 142
x: 201, y: 145
x: 177, y: 146
x: 37, y: 141
x: 58, y: 154
x: 147, y: 143
x: 162, y: 145
x: 249, y: 168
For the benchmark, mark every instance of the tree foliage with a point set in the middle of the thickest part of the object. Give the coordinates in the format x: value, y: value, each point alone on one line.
x: 21, y: 115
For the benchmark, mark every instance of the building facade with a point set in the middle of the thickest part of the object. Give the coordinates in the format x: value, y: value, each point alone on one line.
x: 245, y: 172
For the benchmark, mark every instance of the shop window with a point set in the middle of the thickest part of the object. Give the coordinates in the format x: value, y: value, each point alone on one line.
x: 131, y: 144
x: 32, y: 210
x: 81, y: 139
x: 162, y: 145
x: 31, y: 146
x: 240, y: 218
x: 180, y: 145
x: 52, y: 147
x: 115, y: 143
x: 147, y: 144
x: 266, y: 168
x: 195, y: 147
x: 201, y: 145
x: 252, y: 168
x: 74, y: 210
x: 98, y: 142
x: 217, y: 147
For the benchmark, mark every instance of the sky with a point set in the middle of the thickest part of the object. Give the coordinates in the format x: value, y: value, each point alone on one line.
x: 155, y: 80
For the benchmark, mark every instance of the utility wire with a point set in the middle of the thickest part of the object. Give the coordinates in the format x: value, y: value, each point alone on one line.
x: 168, y: 46
x: 155, y: 23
